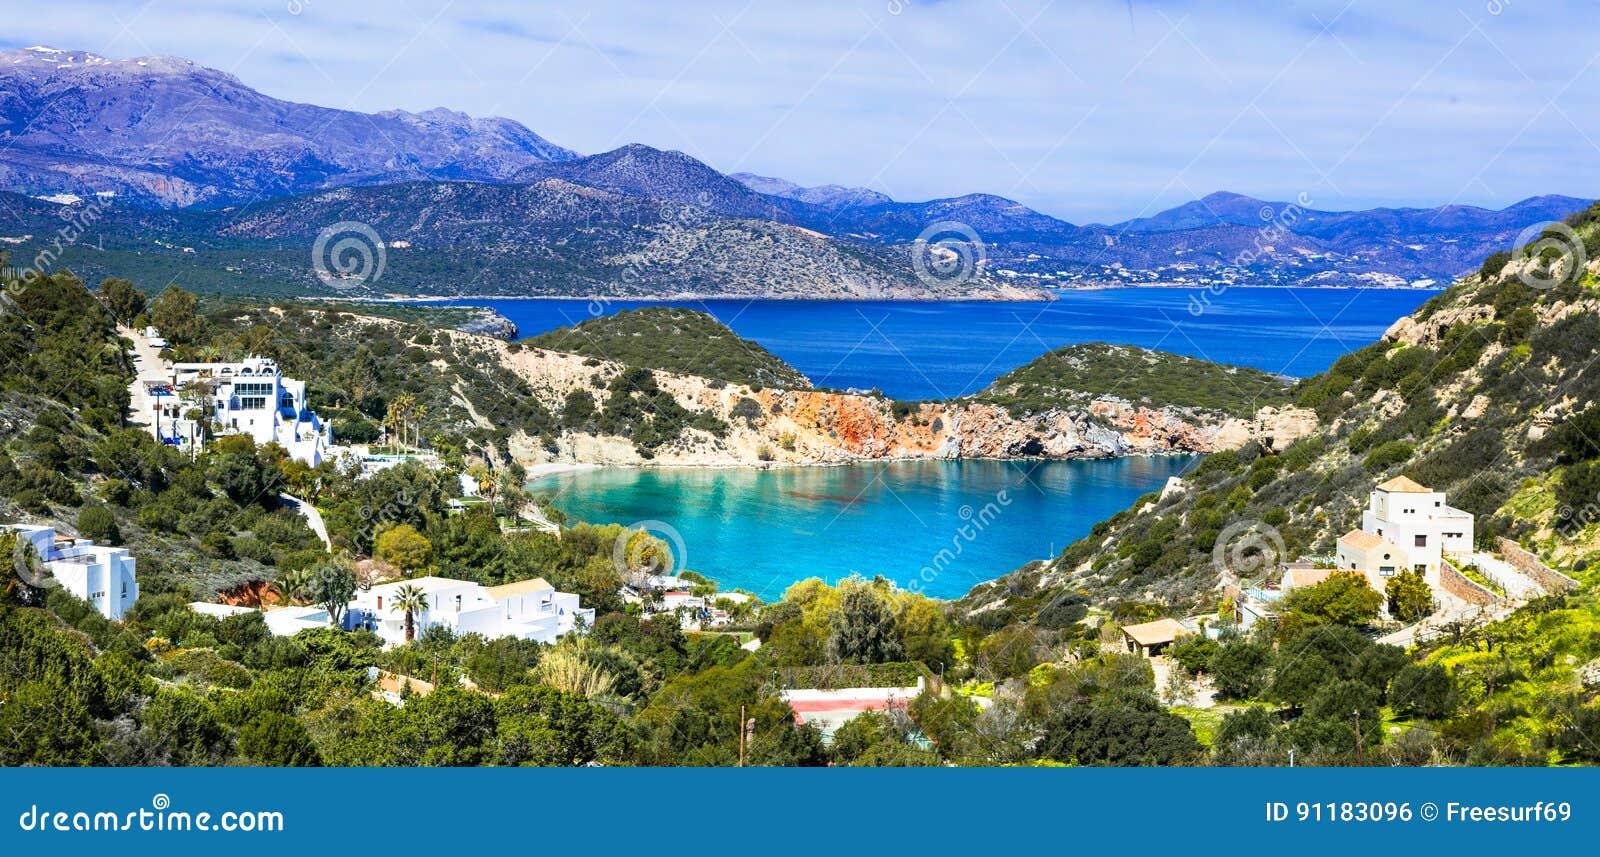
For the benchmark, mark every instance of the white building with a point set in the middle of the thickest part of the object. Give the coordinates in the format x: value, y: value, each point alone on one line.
x: 250, y: 397
x: 281, y: 621
x: 103, y: 576
x: 528, y: 609
x: 1406, y: 527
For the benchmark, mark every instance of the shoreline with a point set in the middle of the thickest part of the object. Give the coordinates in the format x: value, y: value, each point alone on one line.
x: 1054, y: 296
x: 556, y: 468
x: 544, y: 471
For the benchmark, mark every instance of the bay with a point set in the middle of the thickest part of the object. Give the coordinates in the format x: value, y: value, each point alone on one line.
x: 938, y: 527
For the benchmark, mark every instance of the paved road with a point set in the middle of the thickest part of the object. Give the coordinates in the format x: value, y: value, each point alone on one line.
x: 148, y: 366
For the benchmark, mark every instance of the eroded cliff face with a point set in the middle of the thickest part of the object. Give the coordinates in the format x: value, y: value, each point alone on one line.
x: 773, y: 427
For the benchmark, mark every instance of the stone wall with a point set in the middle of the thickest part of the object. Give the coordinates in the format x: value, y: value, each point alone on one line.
x: 1454, y: 582
x: 1548, y: 578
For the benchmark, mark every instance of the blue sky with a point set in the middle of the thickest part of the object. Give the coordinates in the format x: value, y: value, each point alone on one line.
x: 1085, y: 110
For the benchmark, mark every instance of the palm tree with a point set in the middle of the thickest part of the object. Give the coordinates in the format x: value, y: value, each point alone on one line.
x: 293, y: 584
x: 413, y: 601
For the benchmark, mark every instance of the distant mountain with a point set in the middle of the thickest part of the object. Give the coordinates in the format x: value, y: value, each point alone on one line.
x: 550, y: 238
x: 831, y: 197
x: 1252, y: 240
x: 638, y: 170
x: 164, y: 132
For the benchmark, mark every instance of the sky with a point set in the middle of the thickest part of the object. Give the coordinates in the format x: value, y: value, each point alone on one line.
x: 1090, y: 111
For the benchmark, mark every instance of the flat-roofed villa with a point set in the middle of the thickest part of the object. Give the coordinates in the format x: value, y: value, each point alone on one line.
x: 106, y: 577
x: 249, y: 397
x: 1406, y: 527
x: 529, y: 609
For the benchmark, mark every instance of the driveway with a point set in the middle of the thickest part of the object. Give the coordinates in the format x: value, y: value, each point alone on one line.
x: 312, y: 516
x: 147, y: 366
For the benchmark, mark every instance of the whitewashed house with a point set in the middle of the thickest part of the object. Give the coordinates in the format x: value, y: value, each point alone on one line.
x: 106, y: 577
x: 1406, y: 527
x: 281, y: 621
x: 250, y: 397
x: 528, y: 609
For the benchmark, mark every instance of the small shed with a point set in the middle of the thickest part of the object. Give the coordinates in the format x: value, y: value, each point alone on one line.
x: 1152, y: 638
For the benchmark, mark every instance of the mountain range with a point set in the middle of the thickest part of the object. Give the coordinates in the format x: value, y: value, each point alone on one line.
x: 190, y: 162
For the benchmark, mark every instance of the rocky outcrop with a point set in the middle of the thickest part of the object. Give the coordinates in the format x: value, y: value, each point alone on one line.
x: 775, y: 426
x: 1415, y: 330
x: 489, y: 322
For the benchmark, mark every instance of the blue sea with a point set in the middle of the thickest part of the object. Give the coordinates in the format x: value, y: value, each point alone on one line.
x: 941, y: 350
x: 940, y: 526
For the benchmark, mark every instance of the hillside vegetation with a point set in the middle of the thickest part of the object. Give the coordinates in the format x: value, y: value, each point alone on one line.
x: 1077, y: 374
x: 1474, y: 394
x: 673, y: 339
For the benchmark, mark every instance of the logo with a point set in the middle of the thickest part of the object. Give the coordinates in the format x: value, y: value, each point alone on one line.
x: 348, y: 255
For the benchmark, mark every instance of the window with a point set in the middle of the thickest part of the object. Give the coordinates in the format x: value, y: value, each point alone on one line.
x: 1422, y: 541
x: 380, y: 602
x: 1419, y: 568
x: 1386, y: 570
x: 458, y: 604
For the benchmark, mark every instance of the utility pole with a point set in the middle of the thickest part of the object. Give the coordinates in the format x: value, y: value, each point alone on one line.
x: 741, y: 736
x: 1360, y: 755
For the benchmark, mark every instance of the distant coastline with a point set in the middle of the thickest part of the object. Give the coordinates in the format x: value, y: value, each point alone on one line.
x: 791, y: 298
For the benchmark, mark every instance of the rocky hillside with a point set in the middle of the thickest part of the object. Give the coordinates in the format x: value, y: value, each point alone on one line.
x: 1490, y: 391
x: 461, y: 238
x: 754, y: 409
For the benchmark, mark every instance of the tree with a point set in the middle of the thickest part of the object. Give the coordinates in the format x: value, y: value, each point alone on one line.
x: 925, y: 632
x: 1424, y: 690
x: 1298, y: 677
x: 541, y: 726
x: 412, y: 601
x: 124, y: 301
x: 332, y: 587
x: 1009, y: 652
x: 182, y: 729
x: 1331, y: 718
x: 277, y: 739
x: 1239, y: 669
x: 450, y: 726
x: 1410, y: 598
x: 97, y: 523
x: 402, y: 546
x: 1343, y: 599
x: 948, y: 721
x: 1089, y: 733
x: 246, y: 474
x: 861, y: 733
x: 864, y: 629
x: 46, y: 724
x: 173, y: 313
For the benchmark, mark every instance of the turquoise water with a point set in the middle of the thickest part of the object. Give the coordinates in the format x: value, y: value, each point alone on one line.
x: 934, y: 526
